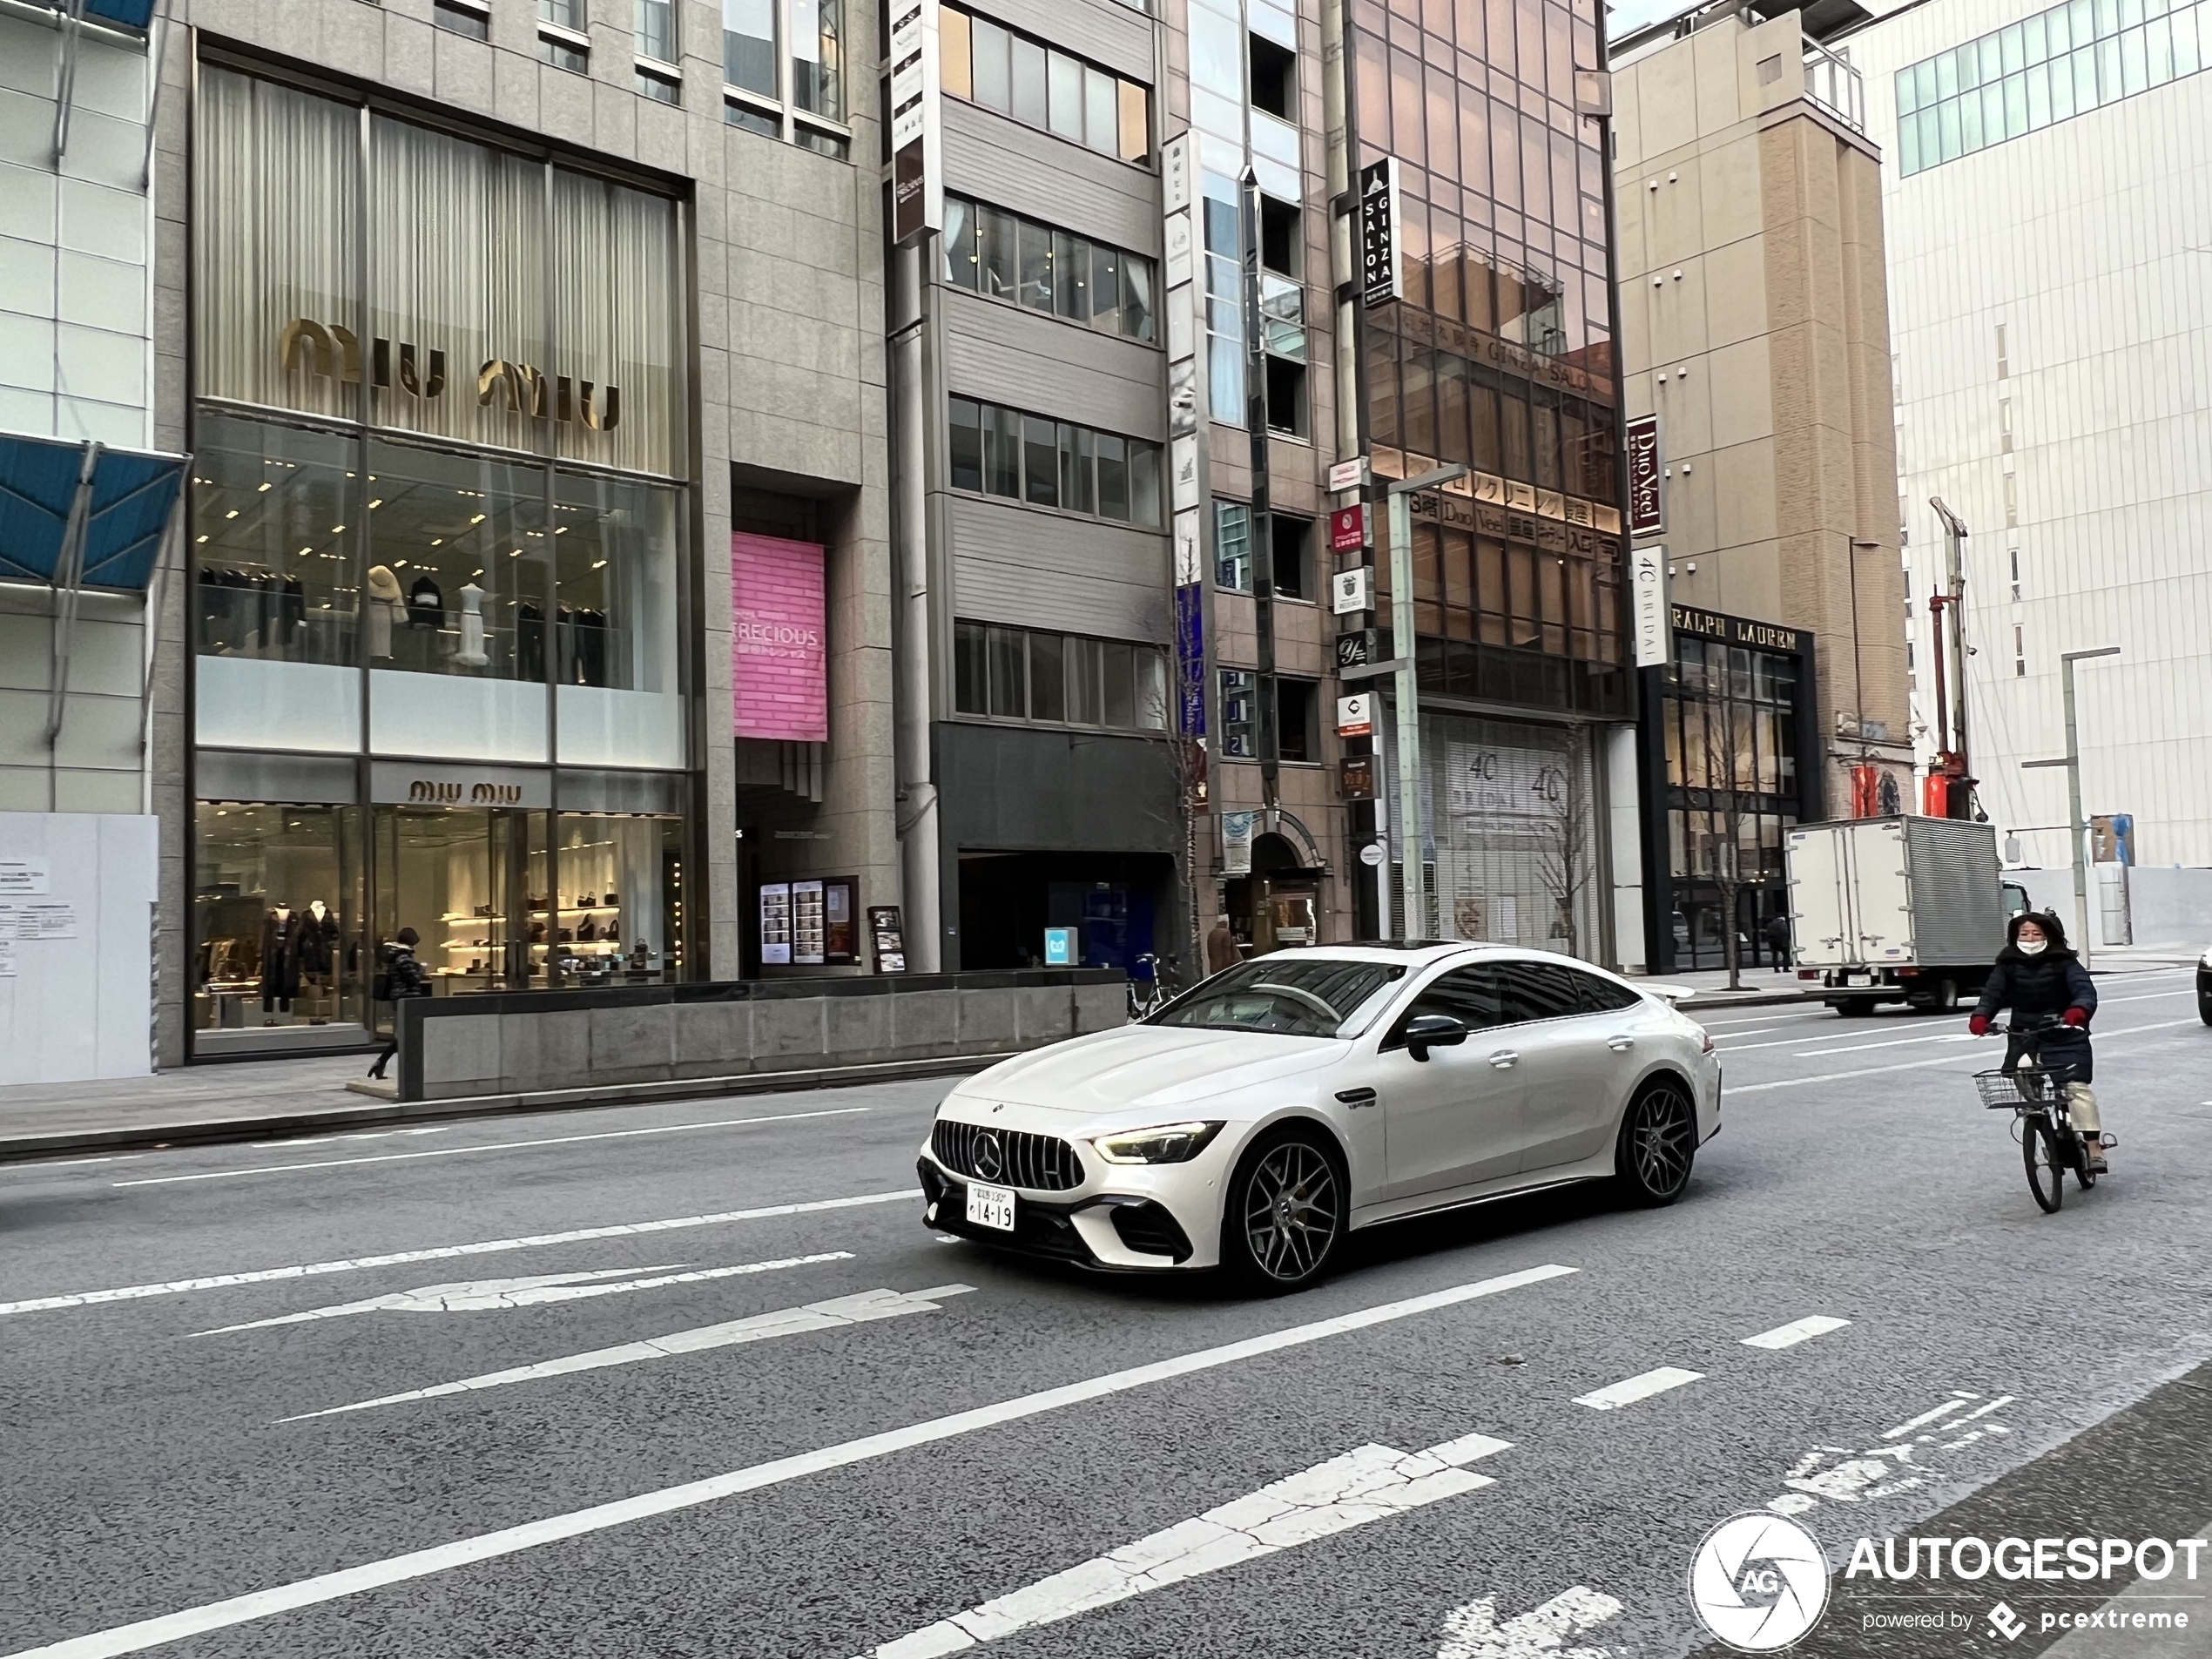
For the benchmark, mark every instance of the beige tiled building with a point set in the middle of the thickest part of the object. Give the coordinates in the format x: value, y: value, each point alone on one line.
x: 1754, y: 327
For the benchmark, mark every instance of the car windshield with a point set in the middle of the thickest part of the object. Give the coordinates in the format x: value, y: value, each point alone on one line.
x: 1312, y: 996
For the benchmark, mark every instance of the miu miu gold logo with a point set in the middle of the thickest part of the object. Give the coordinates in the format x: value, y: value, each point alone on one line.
x: 435, y: 794
x: 334, y: 353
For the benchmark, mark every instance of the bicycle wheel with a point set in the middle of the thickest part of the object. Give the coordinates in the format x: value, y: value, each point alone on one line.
x: 2081, y: 1161
x: 2045, y: 1163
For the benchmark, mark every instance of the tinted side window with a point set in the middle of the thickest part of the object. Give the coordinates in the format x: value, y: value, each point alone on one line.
x: 1538, y: 991
x: 1470, y: 995
x: 1600, y: 996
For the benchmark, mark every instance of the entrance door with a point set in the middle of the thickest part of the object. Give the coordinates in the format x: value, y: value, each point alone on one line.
x: 474, y: 885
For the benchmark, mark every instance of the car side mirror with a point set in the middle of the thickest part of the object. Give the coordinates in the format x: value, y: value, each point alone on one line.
x: 1426, y: 1031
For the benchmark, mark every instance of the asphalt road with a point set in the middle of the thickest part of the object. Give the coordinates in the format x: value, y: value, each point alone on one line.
x: 726, y: 1396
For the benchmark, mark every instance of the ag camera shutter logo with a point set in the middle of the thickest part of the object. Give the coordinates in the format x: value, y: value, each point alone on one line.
x: 1758, y: 1582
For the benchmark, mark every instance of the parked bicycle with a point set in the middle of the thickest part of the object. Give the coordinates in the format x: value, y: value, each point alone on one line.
x: 1157, y: 988
x: 2036, y: 1095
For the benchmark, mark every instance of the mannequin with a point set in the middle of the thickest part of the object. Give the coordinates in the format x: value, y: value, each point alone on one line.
x: 426, y: 606
x: 383, y: 609
x: 279, y: 960
x: 471, y: 654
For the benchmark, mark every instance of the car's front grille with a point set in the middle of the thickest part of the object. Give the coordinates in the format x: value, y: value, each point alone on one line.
x: 1009, y: 1156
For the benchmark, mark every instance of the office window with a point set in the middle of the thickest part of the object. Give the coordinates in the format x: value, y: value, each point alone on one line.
x: 987, y: 64
x: 564, y: 14
x: 1232, y: 542
x: 1297, y: 720
x: 1274, y: 83
x: 1290, y: 538
x: 1061, y: 679
x: 563, y: 55
x: 462, y: 17
x: 989, y: 251
x: 1053, y: 463
x: 656, y: 30
x: 818, y: 57
x: 1240, y: 714
x: 749, y: 45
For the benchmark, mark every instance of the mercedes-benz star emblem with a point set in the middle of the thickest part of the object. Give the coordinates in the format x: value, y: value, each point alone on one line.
x: 1758, y: 1582
x: 990, y: 1158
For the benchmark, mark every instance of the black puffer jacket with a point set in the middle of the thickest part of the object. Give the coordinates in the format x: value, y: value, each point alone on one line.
x: 2048, y: 983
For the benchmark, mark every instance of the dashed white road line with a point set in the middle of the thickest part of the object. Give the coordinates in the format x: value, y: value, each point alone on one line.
x: 495, y: 1146
x: 1886, y: 1043
x: 446, y: 1252
x: 833, y: 1314
x: 533, y: 1291
x: 1471, y: 1631
x: 1365, y: 1484
x: 1789, y: 1335
x: 1957, y: 1402
x: 1736, y: 1089
x: 1630, y: 1390
x: 142, y: 1634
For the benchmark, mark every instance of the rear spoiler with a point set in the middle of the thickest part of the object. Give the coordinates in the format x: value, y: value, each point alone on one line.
x: 1673, y: 993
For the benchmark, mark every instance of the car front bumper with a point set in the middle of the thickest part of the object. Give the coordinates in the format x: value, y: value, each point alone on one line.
x: 1120, y: 1217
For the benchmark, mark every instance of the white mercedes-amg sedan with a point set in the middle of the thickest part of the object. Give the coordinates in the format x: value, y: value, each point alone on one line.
x: 1259, y: 1117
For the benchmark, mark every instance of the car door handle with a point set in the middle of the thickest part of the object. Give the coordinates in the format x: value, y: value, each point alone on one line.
x: 1356, y: 1098
x: 1505, y: 1060
x: 1621, y: 1044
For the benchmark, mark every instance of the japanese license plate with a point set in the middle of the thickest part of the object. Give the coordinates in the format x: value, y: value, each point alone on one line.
x: 990, y: 1207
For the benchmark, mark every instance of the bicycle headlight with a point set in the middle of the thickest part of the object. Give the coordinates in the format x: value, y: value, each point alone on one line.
x: 1168, y: 1144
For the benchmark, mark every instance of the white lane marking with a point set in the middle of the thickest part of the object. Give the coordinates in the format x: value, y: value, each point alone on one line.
x: 356, y: 1134
x: 1630, y: 1390
x: 1363, y: 1485
x: 1958, y: 1402
x: 1789, y: 1335
x: 1472, y: 1631
x: 446, y: 1252
x: 1993, y: 1056
x: 527, y: 1292
x: 829, y: 1315
x: 1756, y: 1031
x: 1770, y: 1020
x: 138, y: 1637
x: 1887, y: 1042
x: 495, y: 1146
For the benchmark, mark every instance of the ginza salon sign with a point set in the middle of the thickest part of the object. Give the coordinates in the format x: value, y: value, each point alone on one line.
x: 334, y: 353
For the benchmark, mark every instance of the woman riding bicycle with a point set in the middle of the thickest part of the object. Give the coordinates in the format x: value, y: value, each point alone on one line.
x: 2039, y: 978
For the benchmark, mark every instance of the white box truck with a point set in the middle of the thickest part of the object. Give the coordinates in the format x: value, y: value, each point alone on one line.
x: 1900, y: 909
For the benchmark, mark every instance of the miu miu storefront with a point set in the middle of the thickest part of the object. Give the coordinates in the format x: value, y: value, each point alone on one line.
x: 443, y: 576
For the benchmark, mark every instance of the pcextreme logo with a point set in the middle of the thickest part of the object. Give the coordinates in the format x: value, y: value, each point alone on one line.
x: 1758, y: 1582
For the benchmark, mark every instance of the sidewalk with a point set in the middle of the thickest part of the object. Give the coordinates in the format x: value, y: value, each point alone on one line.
x: 1761, y: 987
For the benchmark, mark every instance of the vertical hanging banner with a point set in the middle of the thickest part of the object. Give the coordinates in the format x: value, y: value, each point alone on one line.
x: 1647, y: 593
x: 1190, y: 660
x: 1647, y: 502
x: 917, y: 129
x: 778, y: 678
x: 1379, y: 277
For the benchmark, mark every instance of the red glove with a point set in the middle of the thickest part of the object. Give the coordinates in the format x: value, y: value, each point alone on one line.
x: 1978, y: 1025
x: 2076, y: 1017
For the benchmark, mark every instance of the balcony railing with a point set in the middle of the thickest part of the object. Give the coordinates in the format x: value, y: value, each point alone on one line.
x: 1835, y: 86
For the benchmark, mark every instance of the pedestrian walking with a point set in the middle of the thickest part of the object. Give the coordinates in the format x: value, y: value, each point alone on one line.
x: 1221, y: 948
x: 1778, y: 940
x: 400, y: 978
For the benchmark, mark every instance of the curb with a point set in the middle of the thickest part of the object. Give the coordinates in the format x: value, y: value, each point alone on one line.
x: 212, y: 1131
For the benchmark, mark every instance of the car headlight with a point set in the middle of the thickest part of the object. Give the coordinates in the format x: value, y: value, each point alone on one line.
x: 1168, y: 1144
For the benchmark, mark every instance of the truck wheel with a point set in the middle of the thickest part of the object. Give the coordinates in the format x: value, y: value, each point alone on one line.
x: 1943, y: 998
x: 1853, y: 1008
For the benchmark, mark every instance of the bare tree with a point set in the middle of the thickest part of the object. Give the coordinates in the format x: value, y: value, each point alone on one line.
x: 1726, y: 862
x: 1565, y: 860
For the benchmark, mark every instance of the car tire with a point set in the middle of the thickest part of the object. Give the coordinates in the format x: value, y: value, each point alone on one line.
x: 1658, y: 1145
x: 1285, y: 1212
x: 2204, y: 1007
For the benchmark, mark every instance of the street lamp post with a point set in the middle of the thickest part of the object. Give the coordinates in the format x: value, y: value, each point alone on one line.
x: 2077, y: 831
x: 1398, y: 496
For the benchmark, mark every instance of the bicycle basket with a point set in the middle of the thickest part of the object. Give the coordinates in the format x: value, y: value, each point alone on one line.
x: 2003, y: 1091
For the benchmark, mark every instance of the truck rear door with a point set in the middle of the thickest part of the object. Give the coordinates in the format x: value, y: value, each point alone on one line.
x: 1821, y: 934
x: 1883, y: 883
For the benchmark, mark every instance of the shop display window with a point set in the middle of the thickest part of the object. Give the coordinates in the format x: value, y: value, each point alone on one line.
x: 620, y: 907
x: 277, y: 937
x: 615, y: 562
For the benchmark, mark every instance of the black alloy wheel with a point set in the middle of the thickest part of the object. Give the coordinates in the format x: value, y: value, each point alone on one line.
x: 2045, y: 1163
x: 1658, y: 1145
x: 1288, y: 1207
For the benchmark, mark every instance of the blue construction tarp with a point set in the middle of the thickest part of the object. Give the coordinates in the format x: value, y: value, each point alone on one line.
x: 133, y: 493
x: 132, y: 14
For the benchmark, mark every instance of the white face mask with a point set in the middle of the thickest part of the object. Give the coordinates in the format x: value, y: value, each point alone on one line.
x: 2030, y: 947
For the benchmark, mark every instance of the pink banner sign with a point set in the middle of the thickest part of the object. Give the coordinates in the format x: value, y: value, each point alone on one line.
x: 780, y: 680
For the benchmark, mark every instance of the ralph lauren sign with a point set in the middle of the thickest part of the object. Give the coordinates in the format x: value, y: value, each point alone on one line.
x: 334, y: 353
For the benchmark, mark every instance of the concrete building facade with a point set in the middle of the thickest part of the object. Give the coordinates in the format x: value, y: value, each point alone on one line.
x: 1755, y: 330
